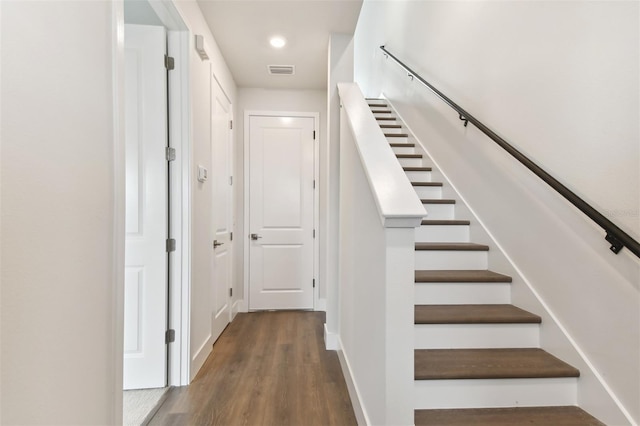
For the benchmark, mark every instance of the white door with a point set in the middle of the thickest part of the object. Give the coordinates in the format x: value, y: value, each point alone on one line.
x: 222, y: 207
x: 145, y: 299
x: 281, y: 218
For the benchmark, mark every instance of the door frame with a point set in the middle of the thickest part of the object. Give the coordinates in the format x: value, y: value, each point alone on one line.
x: 178, y: 37
x: 316, y: 196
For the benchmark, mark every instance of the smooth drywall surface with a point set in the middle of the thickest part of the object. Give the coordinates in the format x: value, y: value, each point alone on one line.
x: 340, y: 64
x: 250, y: 99
x: 201, y: 74
x: 58, y: 279
x: 560, y: 81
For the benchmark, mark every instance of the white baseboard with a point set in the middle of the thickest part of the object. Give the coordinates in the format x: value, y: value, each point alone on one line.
x: 361, y: 415
x: 331, y: 340
x: 236, y: 308
x: 197, y: 361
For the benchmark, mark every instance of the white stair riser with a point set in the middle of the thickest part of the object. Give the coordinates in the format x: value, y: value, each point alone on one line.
x: 485, y: 393
x: 395, y: 139
x: 451, y: 259
x: 382, y: 114
x: 419, y: 176
x: 410, y: 162
x: 440, y: 211
x: 461, y: 336
x: 403, y: 149
x: 429, y: 191
x: 442, y: 233
x: 394, y: 130
x: 461, y: 293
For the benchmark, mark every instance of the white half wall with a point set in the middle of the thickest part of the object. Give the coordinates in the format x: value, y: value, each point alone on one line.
x: 60, y: 330
x: 560, y: 81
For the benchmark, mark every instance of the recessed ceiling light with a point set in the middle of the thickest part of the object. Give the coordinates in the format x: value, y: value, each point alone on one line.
x: 277, y: 42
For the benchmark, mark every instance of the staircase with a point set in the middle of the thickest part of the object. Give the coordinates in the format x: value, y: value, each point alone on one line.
x: 476, y: 355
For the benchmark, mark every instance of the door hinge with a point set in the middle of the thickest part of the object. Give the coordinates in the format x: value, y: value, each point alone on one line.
x: 314, y: 283
x: 170, y: 336
x: 231, y: 292
x: 230, y: 236
x: 314, y: 135
x: 171, y: 245
x: 230, y: 180
x: 314, y: 233
x: 170, y: 153
x: 314, y: 184
x: 169, y: 62
x: 230, y: 124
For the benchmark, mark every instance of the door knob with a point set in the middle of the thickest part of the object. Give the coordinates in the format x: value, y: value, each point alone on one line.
x: 255, y: 236
x: 216, y: 243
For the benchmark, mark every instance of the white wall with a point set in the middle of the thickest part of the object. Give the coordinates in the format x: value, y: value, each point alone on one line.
x: 560, y: 81
x: 59, y: 326
x: 340, y: 70
x: 201, y: 73
x: 250, y: 99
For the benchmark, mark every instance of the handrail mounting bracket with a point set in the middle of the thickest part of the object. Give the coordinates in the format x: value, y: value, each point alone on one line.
x: 616, y: 244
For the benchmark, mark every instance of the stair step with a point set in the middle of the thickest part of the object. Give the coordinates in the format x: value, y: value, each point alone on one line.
x: 426, y: 183
x: 450, y: 255
x: 556, y: 416
x: 385, y: 118
x: 381, y: 111
x: 473, y: 314
x: 452, y: 246
x: 417, y: 169
x: 396, y: 135
x: 409, y: 155
x: 433, y: 231
x: 378, y: 105
x: 458, y: 276
x: 437, y: 201
x: 512, y: 363
x: 390, y: 126
x: 402, y: 145
x: 460, y: 292
x: 446, y: 222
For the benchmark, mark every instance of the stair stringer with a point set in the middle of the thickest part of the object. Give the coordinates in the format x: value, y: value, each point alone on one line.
x: 594, y: 394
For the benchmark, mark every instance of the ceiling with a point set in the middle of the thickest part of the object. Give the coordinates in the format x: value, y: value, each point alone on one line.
x: 242, y: 29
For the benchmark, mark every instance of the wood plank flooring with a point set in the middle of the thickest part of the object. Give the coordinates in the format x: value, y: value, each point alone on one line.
x: 267, y: 368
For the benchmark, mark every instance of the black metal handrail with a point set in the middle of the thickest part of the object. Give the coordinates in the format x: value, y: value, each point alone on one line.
x: 614, y: 235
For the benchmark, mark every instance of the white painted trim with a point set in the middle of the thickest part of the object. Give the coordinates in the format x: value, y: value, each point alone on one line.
x: 321, y: 305
x: 396, y: 200
x: 358, y: 409
x: 179, y: 119
x: 236, y: 308
x: 331, y: 340
x: 316, y: 208
x: 201, y: 356
x: 119, y: 197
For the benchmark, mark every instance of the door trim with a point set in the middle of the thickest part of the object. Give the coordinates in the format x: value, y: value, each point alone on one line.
x: 316, y: 197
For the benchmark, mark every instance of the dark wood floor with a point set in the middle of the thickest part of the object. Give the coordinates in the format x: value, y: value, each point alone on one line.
x: 267, y: 368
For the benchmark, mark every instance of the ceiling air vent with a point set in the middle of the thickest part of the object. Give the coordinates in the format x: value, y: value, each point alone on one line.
x: 281, y: 69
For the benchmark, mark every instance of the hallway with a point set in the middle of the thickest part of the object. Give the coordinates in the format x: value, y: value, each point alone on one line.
x: 267, y: 368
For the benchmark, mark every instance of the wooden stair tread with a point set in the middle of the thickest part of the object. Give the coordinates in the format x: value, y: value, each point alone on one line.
x: 385, y: 118
x: 426, y: 183
x: 381, y: 111
x: 460, y: 276
x: 437, y: 201
x: 378, y: 105
x: 452, y: 246
x: 451, y: 222
x: 473, y: 314
x: 503, y: 363
x: 390, y: 126
x: 396, y: 135
x: 540, y: 416
x: 403, y: 145
x: 409, y: 155
x: 417, y: 169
